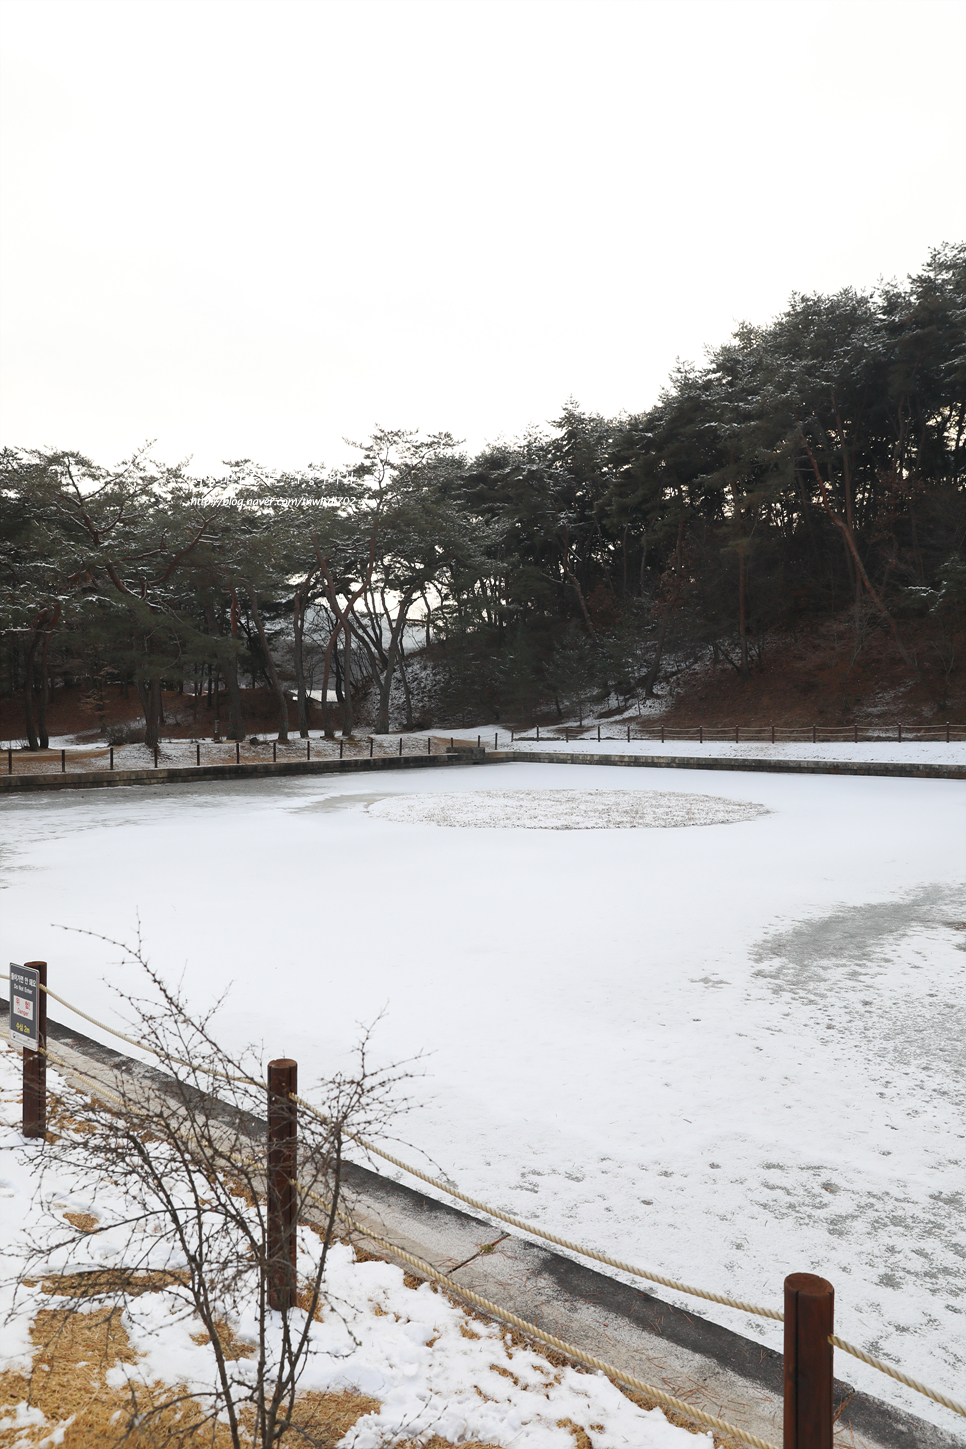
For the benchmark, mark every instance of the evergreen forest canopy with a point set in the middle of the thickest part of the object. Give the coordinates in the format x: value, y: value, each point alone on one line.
x: 810, y: 467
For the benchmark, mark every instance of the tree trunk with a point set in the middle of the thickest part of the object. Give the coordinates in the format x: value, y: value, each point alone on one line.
x: 385, y: 687
x: 348, y: 716
x: 298, y: 627
x: 153, y: 713
x: 272, y: 671
x: 45, y: 681
x: 28, y: 692
x: 849, y: 540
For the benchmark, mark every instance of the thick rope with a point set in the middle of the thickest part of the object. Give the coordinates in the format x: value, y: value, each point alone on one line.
x: 106, y: 1095
x: 562, y: 1346
x: 558, y: 1242
x: 893, y: 1373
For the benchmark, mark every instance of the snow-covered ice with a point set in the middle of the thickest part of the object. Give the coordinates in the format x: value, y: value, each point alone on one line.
x: 726, y: 1053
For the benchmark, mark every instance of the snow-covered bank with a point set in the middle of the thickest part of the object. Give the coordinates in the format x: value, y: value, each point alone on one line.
x: 726, y: 1052
x: 432, y: 1369
x: 919, y: 752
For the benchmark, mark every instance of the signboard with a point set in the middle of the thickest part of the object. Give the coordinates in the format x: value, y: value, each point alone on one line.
x: 24, y: 1006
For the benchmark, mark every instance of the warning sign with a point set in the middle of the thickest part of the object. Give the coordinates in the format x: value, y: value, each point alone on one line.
x: 24, y: 1010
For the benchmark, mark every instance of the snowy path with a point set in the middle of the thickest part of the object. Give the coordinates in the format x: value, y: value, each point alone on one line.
x: 726, y: 1051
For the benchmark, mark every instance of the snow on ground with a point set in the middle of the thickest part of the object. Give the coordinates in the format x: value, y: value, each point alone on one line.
x: 725, y: 1053
x: 918, y: 752
x: 411, y: 1349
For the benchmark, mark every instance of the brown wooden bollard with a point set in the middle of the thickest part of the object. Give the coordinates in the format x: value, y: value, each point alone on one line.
x: 112, y: 757
x: 237, y: 753
x: 308, y: 749
x: 282, y: 1187
x: 198, y: 754
x: 598, y: 734
x: 10, y: 757
x: 371, y: 742
x: 628, y: 734
x: 274, y: 746
x: 35, y: 1065
x: 809, y: 1316
x: 63, y: 760
x: 400, y: 744
x: 341, y: 743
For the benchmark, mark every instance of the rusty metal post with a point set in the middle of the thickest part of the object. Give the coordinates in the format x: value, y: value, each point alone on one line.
x: 628, y: 734
x: 400, y: 746
x: 197, y: 753
x: 598, y: 734
x: 809, y: 1316
x: 282, y: 1188
x: 63, y: 756
x: 274, y: 747
x: 496, y: 740
x: 237, y: 753
x: 371, y: 742
x: 112, y: 757
x: 341, y: 743
x: 35, y: 1065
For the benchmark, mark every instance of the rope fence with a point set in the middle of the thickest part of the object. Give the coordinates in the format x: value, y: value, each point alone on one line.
x: 425, y: 1269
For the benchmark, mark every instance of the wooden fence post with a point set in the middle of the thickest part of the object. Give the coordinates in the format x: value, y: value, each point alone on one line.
x: 496, y: 740
x: 35, y: 1065
x: 400, y: 746
x: 341, y: 743
x: 700, y: 734
x: 598, y: 734
x: 237, y: 753
x: 112, y: 757
x: 10, y: 754
x: 628, y: 734
x: 282, y: 1187
x: 370, y: 746
x: 809, y: 1314
x: 63, y: 757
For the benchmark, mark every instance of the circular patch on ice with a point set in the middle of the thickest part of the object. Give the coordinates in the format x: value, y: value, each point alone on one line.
x: 564, y: 809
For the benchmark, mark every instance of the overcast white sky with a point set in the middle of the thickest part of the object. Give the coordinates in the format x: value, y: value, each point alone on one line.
x: 249, y: 229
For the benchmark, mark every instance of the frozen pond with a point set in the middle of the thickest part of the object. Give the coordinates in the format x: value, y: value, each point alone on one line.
x: 725, y: 1051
